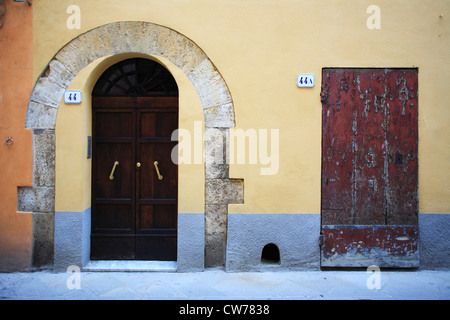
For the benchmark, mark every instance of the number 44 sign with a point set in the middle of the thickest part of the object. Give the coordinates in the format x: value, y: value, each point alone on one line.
x: 305, y: 80
x: 72, y: 96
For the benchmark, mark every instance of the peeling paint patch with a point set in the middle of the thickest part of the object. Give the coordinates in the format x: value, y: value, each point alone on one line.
x: 361, y: 246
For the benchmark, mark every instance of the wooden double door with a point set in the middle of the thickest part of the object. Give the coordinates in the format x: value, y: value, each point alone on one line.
x: 134, y: 180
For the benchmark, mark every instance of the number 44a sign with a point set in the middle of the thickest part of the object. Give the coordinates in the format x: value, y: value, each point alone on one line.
x: 305, y: 80
x: 72, y: 96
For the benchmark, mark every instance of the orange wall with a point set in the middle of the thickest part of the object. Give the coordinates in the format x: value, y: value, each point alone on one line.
x: 16, y: 162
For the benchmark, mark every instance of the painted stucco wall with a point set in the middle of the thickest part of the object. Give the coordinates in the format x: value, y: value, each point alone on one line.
x: 260, y: 49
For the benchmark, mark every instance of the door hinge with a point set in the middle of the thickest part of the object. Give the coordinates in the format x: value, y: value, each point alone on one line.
x: 321, y: 239
x: 323, y: 95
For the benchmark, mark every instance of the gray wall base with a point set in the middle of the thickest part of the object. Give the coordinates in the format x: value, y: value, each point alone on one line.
x: 72, y: 240
x: 191, y: 242
x: 295, y: 235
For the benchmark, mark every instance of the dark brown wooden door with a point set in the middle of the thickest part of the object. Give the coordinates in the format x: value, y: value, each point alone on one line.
x: 369, y: 168
x: 134, y: 209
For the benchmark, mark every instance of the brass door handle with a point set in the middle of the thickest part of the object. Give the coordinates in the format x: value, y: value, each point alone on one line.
x: 160, y: 177
x: 111, y: 176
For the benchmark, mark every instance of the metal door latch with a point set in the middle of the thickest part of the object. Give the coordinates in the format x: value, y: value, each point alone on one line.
x: 111, y: 176
x: 160, y: 177
x: 321, y: 239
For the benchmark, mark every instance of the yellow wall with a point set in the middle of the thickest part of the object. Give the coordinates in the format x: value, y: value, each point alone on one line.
x: 259, y: 47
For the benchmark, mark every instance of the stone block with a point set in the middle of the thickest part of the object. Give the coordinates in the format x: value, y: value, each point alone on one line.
x: 224, y: 191
x: 216, y: 161
x: 26, y: 199
x: 56, y: 72
x: 44, y: 157
x: 40, y: 116
x: 50, y: 87
x: 216, y: 219
x: 43, y: 240
x: 210, y: 86
x: 216, y: 171
x: 82, y: 51
x: 215, y: 235
x: 78, y: 53
x: 125, y: 36
x: 38, y: 199
x: 178, y: 49
x: 220, y: 116
x: 47, y: 92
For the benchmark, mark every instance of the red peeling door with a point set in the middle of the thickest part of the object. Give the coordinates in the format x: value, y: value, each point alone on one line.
x: 369, y: 168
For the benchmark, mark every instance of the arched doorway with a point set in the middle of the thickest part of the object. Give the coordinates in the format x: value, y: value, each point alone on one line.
x: 134, y: 181
x: 52, y: 244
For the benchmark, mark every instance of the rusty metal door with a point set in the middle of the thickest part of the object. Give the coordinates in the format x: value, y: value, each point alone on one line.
x: 369, y: 168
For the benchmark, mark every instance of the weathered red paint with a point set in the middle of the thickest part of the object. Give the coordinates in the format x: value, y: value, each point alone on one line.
x: 369, y: 147
x: 361, y: 246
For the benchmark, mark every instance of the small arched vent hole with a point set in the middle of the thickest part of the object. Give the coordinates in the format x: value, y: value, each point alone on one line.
x: 270, y: 254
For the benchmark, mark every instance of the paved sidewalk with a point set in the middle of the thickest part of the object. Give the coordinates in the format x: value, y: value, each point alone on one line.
x: 219, y: 285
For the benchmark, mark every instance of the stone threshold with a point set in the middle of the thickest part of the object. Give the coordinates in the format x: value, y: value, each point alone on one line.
x: 130, y: 266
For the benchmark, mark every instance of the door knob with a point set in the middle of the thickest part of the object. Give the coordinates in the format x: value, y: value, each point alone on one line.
x: 138, y: 164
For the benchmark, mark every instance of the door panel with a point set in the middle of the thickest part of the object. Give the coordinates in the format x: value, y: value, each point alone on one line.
x: 152, y: 247
x: 114, y: 123
x: 157, y: 124
x: 157, y: 218
x: 113, y: 247
x: 403, y: 150
x: 157, y: 198
x: 121, y: 186
x: 114, y: 217
x: 369, y: 167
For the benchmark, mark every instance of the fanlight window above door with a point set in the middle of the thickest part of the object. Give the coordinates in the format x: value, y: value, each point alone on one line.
x: 136, y: 77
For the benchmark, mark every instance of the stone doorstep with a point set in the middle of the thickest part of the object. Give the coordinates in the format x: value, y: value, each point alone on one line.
x: 130, y: 266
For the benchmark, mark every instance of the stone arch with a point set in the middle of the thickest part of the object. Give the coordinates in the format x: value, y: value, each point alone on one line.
x: 112, y: 39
